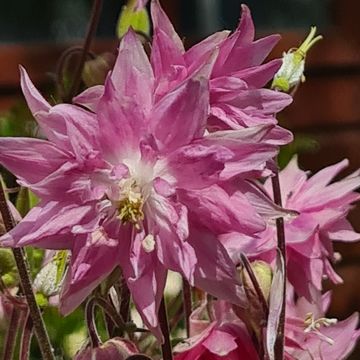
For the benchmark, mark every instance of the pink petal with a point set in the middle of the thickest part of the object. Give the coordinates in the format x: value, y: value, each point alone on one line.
x: 90, y: 97
x: 161, y: 21
x: 221, y: 212
x: 91, y: 263
x: 31, y: 160
x: 34, y: 99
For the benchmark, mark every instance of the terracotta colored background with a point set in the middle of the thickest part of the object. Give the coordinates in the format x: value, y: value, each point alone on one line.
x: 326, y: 108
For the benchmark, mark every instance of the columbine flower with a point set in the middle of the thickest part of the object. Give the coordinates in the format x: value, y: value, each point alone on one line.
x: 135, y: 185
x: 318, y: 217
x: 311, y: 335
x: 225, y: 337
x: 238, y: 98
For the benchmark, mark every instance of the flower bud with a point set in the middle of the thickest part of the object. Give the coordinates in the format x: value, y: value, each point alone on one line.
x: 113, y: 349
x: 8, y: 270
x: 291, y: 72
x: 95, y: 70
x: 134, y: 15
x: 254, y: 316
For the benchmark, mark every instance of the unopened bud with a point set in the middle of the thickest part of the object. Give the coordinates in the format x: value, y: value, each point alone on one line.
x: 255, y: 315
x: 113, y: 349
x: 49, y: 278
x: 8, y: 270
x: 96, y: 70
x: 291, y: 72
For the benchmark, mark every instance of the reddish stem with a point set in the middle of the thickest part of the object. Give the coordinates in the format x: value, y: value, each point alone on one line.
x: 164, y: 325
x: 23, y: 268
x: 187, y: 305
x: 26, y: 340
x: 280, y: 339
x: 12, y: 331
x: 90, y: 34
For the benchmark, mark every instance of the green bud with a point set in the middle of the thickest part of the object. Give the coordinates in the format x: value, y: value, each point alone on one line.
x: 137, y: 19
x: 8, y: 270
x: 41, y: 300
x: 96, y: 70
x: 49, y: 278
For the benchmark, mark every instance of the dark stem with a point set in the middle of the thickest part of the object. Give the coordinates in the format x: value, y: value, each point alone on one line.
x: 279, y: 344
x: 125, y: 302
x: 164, y: 325
x: 12, y: 331
x: 26, y: 340
x: 61, y: 66
x: 23, y: 268
x: 255, y: 283
x: 187, y: 305
x: 90, y: 323
x: 111, y: 312
x: 93, y: 23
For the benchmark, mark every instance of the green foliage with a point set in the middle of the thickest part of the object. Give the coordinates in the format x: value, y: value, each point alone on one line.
x: 301, y: 144
x: 18, y: 121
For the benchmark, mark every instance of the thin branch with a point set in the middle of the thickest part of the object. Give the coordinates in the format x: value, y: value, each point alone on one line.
x: 125, y: 301
x: 10, y: 342
x: 23, y: 268
x: 90, y: 322
x: 90, y: 34
x: 280, y: 339
x: 255, y: 283
x: 164, y: 325
x: 187, y: 305
x: 26, y: 340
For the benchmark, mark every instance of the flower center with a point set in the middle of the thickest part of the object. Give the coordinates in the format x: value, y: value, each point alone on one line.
x: 312, y: 325
x: 131, y: 201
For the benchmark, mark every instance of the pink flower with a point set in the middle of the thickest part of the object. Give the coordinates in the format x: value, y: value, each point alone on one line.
x: 135, y: 185
x: 237, y: 96
x: 224, y: 338
x: 310, y: 335
x: 319, y: 218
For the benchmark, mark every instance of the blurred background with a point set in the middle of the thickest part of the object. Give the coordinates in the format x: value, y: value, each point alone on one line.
x: 325, y: 115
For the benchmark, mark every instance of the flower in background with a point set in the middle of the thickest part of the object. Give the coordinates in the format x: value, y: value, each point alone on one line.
x: 320, y: 208
x: 310, y: 335
x: 224, y: 337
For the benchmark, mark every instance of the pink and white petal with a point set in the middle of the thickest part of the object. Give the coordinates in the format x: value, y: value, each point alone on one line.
x: 220, y: 343
x: 56, y: 122
x: 215, y: 272
x: 146, y: 278
x: 221, y: 212
x: 197, y: 166
x: 34, y: 99
x: 132, y: 74
x: 161, y: 21
x: 250, y: 54
x: 90, y: 97
x: 345, y: 335
x: 196, y: 54
x: 180, y: 116
x: 166, y: 59
x: 31, y: 160
x: 92, y: 260
x: 243, y: 35
x: 258, y: 76
x: 48, y: 225
x: 169, y: 226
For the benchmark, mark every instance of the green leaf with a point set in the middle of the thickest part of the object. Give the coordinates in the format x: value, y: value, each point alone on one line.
x: 138, y: 20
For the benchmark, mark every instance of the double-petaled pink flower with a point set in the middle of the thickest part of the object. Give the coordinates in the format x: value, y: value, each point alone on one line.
x: 135, y: 184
